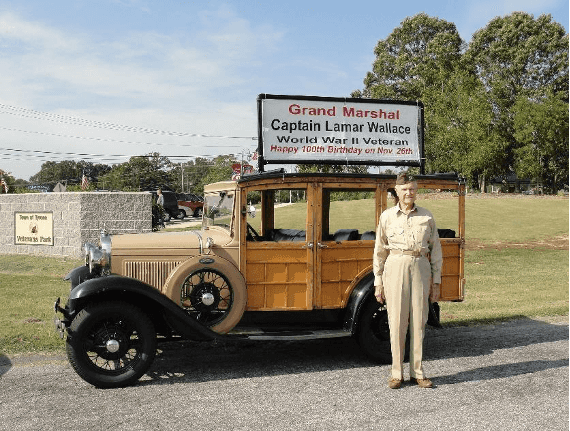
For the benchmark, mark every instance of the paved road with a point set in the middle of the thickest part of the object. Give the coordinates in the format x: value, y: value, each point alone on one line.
x: 509, y: 376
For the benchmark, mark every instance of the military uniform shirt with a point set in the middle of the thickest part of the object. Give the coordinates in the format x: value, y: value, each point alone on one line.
x: 415, y: 231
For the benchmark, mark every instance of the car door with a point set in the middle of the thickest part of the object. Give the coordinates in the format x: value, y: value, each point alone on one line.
x: 345, y: 221
x: 279, y: 259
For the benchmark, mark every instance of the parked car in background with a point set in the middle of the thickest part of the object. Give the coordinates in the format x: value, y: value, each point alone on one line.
x: 190, y: 204
x: 170, y: 205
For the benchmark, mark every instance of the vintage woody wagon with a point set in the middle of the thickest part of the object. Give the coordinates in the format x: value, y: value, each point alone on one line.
x: 278, y: 256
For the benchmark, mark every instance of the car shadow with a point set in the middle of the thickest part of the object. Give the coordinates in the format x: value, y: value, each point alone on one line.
x: 5, y: 364
x: 187, y: 361
x: 201, y: 362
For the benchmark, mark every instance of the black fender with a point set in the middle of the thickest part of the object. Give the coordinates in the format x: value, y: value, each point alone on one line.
x: 78, y: 275
x: 358, y: 297
x: 150, y: 300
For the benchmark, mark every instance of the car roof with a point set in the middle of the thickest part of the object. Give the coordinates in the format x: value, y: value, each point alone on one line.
x: 339, y: 176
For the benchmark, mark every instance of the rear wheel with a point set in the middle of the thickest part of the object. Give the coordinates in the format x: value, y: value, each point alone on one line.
x: 111, y: 344
x: 374, y: 333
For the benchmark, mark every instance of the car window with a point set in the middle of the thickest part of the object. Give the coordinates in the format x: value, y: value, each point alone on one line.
x: 218, y: 210
x: 284, y: 217
x: 348, y: 214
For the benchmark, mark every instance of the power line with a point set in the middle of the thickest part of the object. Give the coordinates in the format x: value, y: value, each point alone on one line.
x: 107, y: 157
x: 107, y: 139
x: 28, y: 113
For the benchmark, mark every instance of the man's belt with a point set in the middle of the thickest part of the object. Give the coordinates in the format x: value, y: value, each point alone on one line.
x: 408, y: 253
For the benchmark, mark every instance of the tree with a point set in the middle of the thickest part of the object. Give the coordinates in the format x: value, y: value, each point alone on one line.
x: 421, y: 60
x: 53, y: 172
x: 69, y: 172
x: 541, y: 130
x: 195, y: 171
x: 460, y: 130
x: 140, y: 173
x: 519, y: 58
x: 419, y: 54
x: 6, y: 182
x: 470, y: 96
x: 219, y: 169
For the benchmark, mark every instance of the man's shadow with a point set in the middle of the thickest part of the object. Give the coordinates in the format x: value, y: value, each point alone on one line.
x: 501, y: 371
x: 482, y: 340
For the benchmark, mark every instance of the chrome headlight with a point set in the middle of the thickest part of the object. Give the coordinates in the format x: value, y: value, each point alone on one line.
x: 98, y: 259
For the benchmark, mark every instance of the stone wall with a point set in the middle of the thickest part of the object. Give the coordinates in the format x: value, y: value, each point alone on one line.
x: 77, y: 218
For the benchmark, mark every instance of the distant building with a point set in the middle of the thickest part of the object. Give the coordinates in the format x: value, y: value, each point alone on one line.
x: 510, y: 183
x: 59, y: 188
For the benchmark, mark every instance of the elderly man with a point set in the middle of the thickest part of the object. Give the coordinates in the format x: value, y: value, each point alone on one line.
x: 407, y: 270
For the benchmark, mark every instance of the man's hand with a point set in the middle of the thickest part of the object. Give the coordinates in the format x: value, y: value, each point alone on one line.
x: 379, y: 294
x: 434, y: 292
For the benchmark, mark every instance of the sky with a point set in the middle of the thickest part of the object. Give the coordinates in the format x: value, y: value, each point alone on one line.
x: 102, y: 81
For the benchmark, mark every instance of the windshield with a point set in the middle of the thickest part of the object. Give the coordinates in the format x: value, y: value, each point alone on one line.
x: 218, y: 210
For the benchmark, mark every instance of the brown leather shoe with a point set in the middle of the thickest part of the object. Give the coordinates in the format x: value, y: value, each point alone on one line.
x: 394, y: 383
x: 422, y: 383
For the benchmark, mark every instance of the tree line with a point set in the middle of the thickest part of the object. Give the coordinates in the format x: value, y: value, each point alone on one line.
x: 494, y: 107
x: 140, y: 173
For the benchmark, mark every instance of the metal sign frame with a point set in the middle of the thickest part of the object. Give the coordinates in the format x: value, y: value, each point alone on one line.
x: 264, y: 159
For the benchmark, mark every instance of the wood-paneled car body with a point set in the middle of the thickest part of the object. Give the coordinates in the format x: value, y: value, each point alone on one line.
x: 279, y: 255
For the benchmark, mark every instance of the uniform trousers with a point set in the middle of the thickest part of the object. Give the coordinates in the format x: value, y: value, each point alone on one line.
x: 406, y: 288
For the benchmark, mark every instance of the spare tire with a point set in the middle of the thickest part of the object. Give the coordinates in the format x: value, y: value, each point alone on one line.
x: 211, y: 290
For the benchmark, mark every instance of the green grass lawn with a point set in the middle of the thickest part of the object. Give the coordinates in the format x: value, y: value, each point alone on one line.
x: 511, y: 282
x: 29, y: 286
x: 504, y: 279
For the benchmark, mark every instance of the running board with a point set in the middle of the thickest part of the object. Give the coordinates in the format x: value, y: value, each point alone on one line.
x: 261, y: 335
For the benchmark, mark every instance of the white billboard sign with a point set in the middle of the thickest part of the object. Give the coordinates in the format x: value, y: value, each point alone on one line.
x: 323, y: 130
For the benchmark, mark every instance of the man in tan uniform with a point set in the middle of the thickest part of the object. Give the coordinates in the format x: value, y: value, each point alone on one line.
x: 407, y: 270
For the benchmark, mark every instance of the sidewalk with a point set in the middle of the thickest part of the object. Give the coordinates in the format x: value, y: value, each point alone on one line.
x: 182, y: 224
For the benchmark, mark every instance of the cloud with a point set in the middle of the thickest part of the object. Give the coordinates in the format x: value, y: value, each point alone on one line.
x: 201, y: 81
x: 140, y: 69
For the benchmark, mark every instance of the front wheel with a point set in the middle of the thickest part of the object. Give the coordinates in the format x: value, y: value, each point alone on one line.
x: 111, y: 344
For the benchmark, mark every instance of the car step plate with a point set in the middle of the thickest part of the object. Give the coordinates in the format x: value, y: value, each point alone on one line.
x: 261, y: 335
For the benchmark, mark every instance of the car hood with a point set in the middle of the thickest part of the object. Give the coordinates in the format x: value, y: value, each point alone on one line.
x: 166, y: 242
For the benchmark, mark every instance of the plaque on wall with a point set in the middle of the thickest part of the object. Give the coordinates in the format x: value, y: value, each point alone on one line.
x: 33, y: 228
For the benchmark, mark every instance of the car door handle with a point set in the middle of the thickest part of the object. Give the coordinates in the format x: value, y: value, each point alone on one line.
x: 322, y: 245
x: 309, y: 246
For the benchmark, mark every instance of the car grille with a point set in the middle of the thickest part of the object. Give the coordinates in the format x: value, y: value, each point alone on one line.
x: 154, y: 273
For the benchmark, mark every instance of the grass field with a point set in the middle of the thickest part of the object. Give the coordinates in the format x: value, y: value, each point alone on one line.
x: 516, y: 265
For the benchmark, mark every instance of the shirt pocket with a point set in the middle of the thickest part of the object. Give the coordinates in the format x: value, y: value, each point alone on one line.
x: 394, y: 232
x: 422, y: 230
